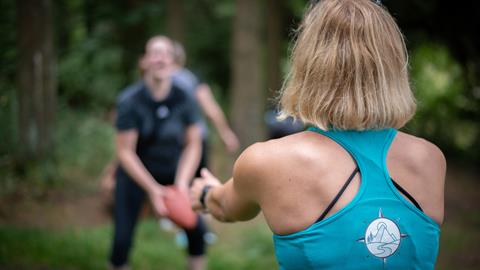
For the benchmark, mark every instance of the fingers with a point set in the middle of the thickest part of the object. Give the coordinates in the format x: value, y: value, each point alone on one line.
x: 157, y: 199
x: 209, y: 178
x: 160, y: 208
x: 194, y: 201
x: 205, y: 173
x: 194, y: 193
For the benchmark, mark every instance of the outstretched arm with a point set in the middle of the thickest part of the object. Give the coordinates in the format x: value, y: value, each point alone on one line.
x: 236, y: 200
x: 213, y: 111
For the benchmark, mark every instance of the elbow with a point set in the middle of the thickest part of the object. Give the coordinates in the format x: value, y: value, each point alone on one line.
x: 193, y: 148
x: 224, y: 218
x: 194, y: 144
x: 123, y: 155
x: 218, y: 211
x: 234, y: 217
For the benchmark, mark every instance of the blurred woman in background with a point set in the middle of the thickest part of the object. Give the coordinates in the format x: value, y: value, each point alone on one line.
x: 158, y: 143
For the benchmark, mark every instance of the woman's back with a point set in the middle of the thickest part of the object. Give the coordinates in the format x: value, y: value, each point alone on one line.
x: 338, y: 198
x: 297, y: 178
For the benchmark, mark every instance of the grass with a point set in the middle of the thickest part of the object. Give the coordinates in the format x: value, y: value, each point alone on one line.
x: 240, y: 246
x: 23, y: 248
x: 245, y: 247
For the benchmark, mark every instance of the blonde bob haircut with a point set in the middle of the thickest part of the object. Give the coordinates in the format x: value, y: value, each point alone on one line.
x: 348, y: 69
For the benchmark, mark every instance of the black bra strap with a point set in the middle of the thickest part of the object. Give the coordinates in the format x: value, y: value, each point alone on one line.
x: 334, y: 201
x: 410, y: 197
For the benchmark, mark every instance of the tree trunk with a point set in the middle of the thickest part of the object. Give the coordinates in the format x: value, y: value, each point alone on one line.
x: 274, y: 47
x: 36, y: 82
x: 133, y: 37
x: 247, y: 93
x: 176, y: 20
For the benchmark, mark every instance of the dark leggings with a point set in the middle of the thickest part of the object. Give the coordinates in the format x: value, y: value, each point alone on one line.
x: 129, y: 198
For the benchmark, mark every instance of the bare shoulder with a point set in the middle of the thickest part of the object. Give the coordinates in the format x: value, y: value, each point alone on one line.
x: 419, y: 166
x: 255, y: 161
x: 299, y: 147
x: 273, y: 160
x: 420, y: 156
x: 249, y: 169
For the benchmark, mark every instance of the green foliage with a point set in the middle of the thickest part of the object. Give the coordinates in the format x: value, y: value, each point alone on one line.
x: 84, y: 144
x: 98, y: 44
x: 89, y: 74
x: 208, y: 38
x: 297, y: 7
x: 440, y: 88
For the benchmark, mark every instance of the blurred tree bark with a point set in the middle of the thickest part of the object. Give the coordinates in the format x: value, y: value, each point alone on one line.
x: 89, y: 11
x: 247, y: 92
x: 176, y: 20
x: 36, y: 82
x: 133, y: 37
x: 274, y: 16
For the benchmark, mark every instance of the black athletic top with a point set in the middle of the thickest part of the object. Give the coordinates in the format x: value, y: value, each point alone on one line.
x: 161, y: 125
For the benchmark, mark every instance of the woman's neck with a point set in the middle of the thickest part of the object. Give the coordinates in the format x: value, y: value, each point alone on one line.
x: 159, y: 88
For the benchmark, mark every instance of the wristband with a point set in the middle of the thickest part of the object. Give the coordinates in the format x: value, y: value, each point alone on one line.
x: 203, y: 195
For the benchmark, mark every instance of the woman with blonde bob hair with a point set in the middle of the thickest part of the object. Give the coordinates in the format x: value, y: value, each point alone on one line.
x: 351, y: 192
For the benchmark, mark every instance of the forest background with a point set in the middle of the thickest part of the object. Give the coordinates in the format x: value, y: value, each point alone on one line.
x: 64, y: 62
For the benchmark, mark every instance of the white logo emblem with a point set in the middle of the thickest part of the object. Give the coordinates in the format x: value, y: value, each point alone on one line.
x: 382, y: 237
x: 163, y: 112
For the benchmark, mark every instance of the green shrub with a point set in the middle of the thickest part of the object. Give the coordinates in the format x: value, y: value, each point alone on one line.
x: 440, y: 87
x: 85, y: 144
x: 90, y: 72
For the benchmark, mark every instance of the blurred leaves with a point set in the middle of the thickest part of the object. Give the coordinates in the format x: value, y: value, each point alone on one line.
x: 98, y: 44
x: 85, y: 144
x: 441, y: 90
x: 90, y: 74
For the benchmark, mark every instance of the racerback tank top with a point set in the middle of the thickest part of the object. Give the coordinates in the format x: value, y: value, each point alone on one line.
x: 378, y: 229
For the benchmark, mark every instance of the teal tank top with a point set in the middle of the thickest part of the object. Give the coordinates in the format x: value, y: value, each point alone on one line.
x: 378, y: 229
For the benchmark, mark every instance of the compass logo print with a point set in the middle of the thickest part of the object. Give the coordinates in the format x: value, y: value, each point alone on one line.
x: 382, y: 237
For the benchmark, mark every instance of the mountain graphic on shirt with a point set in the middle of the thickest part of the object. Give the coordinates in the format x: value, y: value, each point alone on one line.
x: 382, y: 235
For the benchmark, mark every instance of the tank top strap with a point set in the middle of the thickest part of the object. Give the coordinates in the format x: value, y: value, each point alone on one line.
x: 369, y: 149
x: 370, y: 144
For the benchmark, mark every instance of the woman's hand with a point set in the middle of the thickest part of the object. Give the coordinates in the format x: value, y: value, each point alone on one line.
x: 156, y: 194
x: 197, y: 188
x: 183, y: 187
